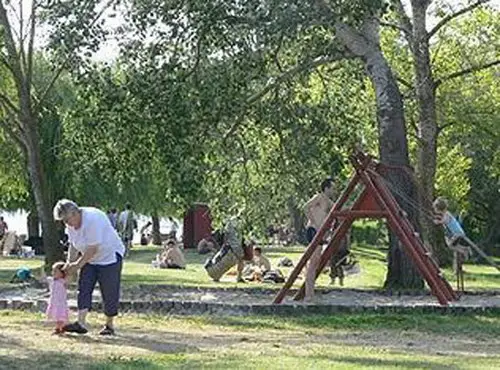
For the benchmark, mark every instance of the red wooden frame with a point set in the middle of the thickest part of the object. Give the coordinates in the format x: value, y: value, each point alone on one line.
x: 375, y: 201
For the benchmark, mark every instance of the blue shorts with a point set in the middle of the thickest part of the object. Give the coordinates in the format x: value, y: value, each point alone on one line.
x: 109, y: 277
x: 310, y: 233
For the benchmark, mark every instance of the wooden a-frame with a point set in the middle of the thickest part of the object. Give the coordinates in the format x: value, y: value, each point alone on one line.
x: 374, y: 201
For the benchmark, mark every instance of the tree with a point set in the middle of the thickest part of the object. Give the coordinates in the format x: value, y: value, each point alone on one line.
x: 310, y: 36
x: 427, y: 80
x: 22, y: 104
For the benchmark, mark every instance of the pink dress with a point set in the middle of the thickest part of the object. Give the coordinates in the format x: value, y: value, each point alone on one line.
x: 58, y: 303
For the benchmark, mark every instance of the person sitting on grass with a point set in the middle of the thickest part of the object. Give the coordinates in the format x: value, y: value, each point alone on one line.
x: 172, y: 256
x: 258, y: 267
x: 206, y: 245
x: 260, y: 261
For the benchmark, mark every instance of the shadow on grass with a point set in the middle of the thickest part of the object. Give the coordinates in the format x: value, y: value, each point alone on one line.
x: 252, y: 361
x: 33, y: 359
x: 136, y: 340
x: 384, y: 363
x: 132, y: 279
x: 480, y: 276
x: 55, y: 360
x: 369, y: 253
x: 427, y: 323
x: 6, y: 342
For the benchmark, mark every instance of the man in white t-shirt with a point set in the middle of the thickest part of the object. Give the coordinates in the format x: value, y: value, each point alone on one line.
x: 126, y: 225
x: 101, y: 251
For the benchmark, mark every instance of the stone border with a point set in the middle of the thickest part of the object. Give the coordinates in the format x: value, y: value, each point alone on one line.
x: 266, y: 291
x: 200, y: 308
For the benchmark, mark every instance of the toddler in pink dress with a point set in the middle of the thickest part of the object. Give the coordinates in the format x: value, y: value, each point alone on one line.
x: 57, y: 311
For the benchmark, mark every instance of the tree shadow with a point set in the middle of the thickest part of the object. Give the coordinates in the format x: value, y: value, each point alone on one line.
x: 478, y: 276
x: 6, y: 342
x: 33, y: 359
x: 384, y: 363
x: 369, y: 253
x: 134, y: 339
x: 39, y: 360
x: 470, y: 324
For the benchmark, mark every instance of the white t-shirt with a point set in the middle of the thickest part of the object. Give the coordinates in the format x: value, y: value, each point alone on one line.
x: 123, y: 217
x: 96, y: 230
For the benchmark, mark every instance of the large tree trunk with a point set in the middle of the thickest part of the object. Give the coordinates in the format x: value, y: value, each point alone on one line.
x: 33, y: 224
x: 297, y: 220
x: 20, y: 65
x: 156, y: 229
x: 52, y: 248
x: 427, y: 130
x: 393, y: 145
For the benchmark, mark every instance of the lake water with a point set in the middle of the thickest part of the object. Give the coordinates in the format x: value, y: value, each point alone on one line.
x: 17, y: 222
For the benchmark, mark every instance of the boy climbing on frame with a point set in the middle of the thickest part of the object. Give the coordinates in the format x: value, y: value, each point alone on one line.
x: 455, y: 237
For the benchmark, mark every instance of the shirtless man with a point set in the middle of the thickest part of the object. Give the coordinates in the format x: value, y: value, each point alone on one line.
x: 172, y: 257
x: 316, y: 210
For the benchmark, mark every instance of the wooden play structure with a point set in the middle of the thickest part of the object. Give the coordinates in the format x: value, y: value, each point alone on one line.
x: 374, y: 201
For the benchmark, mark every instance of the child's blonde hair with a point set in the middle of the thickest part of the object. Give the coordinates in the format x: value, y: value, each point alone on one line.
x: 59, y: 266
x: 441, y: 204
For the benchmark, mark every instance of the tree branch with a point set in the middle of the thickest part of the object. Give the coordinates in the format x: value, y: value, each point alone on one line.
x: 277, y: 51
x: 285, y: 76
x: 31, y: 41
x: 444, y: 126
x: 403, y: 18
x: 452, y: 16
x: 403, y: 82
x: 5, y: 100
x: 6, y: 64
x: 21, y: 36
x: 14, y: 135
x: 201, y: 37
x: 465, y: 72
x: 10, y: 45
x: 396, y: 27
x: 67, y: 60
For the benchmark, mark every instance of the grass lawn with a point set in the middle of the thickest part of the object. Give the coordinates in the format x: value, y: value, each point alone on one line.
x: 369, y: 341
x: 8, y: 267
x: 345, y: 341
x: 138, y: 270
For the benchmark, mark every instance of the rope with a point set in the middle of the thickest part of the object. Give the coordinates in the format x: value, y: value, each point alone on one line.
x: 415, y: 205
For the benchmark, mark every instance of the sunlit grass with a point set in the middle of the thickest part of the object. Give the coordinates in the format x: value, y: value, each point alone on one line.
x: 373, y: 266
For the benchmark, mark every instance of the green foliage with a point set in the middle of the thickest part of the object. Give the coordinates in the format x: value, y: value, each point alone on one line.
x: 451, y: 179
x: 13, y: 179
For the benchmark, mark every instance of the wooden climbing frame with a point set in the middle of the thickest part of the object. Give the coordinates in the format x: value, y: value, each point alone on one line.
x: 375, y: 201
